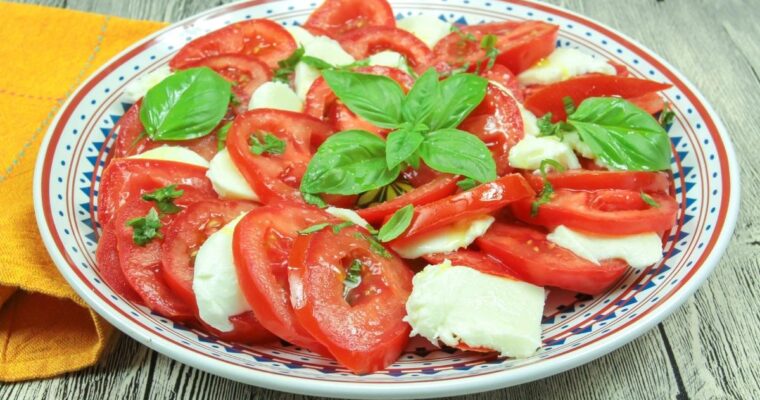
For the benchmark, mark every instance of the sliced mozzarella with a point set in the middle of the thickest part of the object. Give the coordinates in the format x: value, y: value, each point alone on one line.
x: 638, y: 251
x: 303, y: 77
x: 276, y: 95
x: 140, y: 86
x: 530, y: 122
x: 300, y: 35
x: 327, y: 50
x: 174, y: 153
x: 427, y: 28
x: 531, y: 150
x: 573, y: 140
x: 347, y: 215
x: 215, y: 282
x: 444, y: 240
x: 459, y: 305
x: 227, y: 180
x: 562, y: 64
x: 388, y: 59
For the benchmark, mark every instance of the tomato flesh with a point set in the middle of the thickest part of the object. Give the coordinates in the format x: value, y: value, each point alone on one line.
x: 476, y: 260
x: 504, y: 77
x: 246, y: 329
x: 336, y: 17
x: 362, y: 43
x: 649, y: 182
x: 107, y: 258
x: 436, y: 189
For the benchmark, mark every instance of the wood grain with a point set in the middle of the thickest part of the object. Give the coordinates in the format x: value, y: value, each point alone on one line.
x: 708, y: 349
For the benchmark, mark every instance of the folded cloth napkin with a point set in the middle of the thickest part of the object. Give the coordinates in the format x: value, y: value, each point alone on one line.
x: 45, y: 54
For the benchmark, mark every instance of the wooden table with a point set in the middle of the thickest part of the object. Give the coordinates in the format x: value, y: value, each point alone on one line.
x: 710, y: 348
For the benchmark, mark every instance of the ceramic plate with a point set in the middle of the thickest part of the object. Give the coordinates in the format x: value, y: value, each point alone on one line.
x: 576, y: 328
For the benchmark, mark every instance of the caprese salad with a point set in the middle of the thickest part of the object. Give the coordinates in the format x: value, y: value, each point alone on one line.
x: 354, y: 181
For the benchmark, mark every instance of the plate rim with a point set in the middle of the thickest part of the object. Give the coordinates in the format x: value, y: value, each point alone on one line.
x: 465, y: 385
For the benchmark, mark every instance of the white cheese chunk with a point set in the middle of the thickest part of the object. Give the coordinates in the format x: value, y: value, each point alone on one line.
x: 454, y: 304
x: 530, y: 122
x: 327, y: 50
x: 227, y: 180
x: 215, y: 281
x: 300, y: 35
x: 347, y: 215
x: 174, y: 153
x: 638, y: 251
x: 276, y: 95
x: 562, y: 64
x: 573, y: 140
x: 138, y: 88
x: 444, y: 240
x: 389, y: 59
x: 303, y: 77
x: 427, y: 28
x: 531, y: 150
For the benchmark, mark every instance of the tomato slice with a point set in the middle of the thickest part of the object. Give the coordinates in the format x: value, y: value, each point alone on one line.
x: 504, y: 77
x: 540, y: 262
x: 362, y: 43
x: 604, y: 211
x: 266, y: 40
x: 188, y: 232
x: 650, y: 182
x: 107, y: 258
x: 436, y: 189
x: 498, y: 123
x: 549, y: 98
x: 650, y: 102
x: 116, y: 177
x: 520, y: 44
x: 363, y: 329
x: 482, y: 199
x: 245, y: 329
x: 275, y: 176
x: 476, y: 260
x: 261, y: 244
x: 336, y: 17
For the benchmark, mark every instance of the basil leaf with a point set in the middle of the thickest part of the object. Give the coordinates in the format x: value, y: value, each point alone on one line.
x: 397, y: 224
x: 401, y: 145
x: 375, y: 98
x: 422, y: 99
x: 649, y: 200
x: 458, y: 152
x: 270, y: 144
x: 316, y: 63
x: 348, y: 162
x: 467, y: 184
x: 164, y: 198
x: 145, y: 229
x: 287, y: 66
x: 353, y: 277
x: 622, y: 135
x: 314, y: 200
x: 458, y: 95
x: 313, y: 229
x: 186, y: 105
x: 221, y: 136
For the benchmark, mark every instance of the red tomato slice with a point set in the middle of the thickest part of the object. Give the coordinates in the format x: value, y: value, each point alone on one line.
x: 245, y: 329
x: 520, y: 44
x: 362, y: 43
x: 434, y: 190
x: 107, y: 258
x: 266, y: 40
x: 503, y: 76
x: 605, y: 211
x: 549, y: 98
x: 482, y: 199
x: 650, y: 102
x: 245, y: 73
x: 262, y: 243
x: 540, y: 262
x: 364, y: 330
x: 476, y: 260
x: 117, y: 176
x: 188, y: 232
x: 336, y: 17
x: 498, y: 123
x: 275, y: 176
x: 657, y: 182
x: 421, y: 176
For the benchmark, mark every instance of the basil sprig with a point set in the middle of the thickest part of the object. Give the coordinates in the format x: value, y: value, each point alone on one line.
x: 186, y: 105
x: 397, y: 224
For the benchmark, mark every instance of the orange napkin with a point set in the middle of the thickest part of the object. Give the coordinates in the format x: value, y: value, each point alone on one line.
x: 45, y: 54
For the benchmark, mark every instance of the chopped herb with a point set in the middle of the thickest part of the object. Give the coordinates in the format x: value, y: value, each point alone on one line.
x: 316, y: 63
x: 547, y: 128
x: 464, y: 36
x: 397, y: 224
x: 569, y: 105
x: 339, y: 227
x: 221, y: 136
x: 234, y: 100
x: 313, y: 229
x: 288, y: 65
x: 314, y: 200
x: 666, y: 116
x: 145, y: 229
x: 649, y: 200
x: 375, y: 246
x: 271, y: 144
x: 467, y: 184
x: 488, y: 43
x: 164, y: 198
x: 353, y: 277
x: 546, y: 193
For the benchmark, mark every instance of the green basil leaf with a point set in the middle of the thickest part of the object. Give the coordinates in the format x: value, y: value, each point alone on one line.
x: 313, y: 228
x: 316, y: 63
x: 622, y: 135
x: 375, y: 98
x: 467, y: 184
x: 458, y: 152
x: 287, y: 67
x: 422, y: 98
x: 314, y: 199
x: 186, y: 105
x: 649, y: 200
x: 353, y: 277
x: 145, y: 229
x: 348, y: 162
x: 458, y: 95
x: 397, y: 224
x: 164, y: 198
x: 270, y: 144
x: 221, y: 136
x: 401, y: 145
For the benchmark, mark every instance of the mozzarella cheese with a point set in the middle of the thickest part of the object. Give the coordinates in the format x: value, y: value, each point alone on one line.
x: 300, y: 35
x: 140, y: 86
x: 530, y: 122
x: 215, y: 281
x: 348, y: 215
x: 227, y: 180
x: 562, y: 64
x: 638, y: 251
x: 531, y: 150
x: 276, y: 95
x: 573, y: 140
x: 454, y: 304
x: 427, y: 28
x: 325, y: 49
x: 303, y: 77
x: 444, y: 240
x: 174, y: 153
x: 389, y: 59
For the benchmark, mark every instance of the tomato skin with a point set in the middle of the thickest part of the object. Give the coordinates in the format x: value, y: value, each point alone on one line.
x: 190, y: 229
x: 649, y: 182
x: 436, y: 189
x: 549, y: 98
x: 482, y: 199
x: 246, y: 74
x: 504, y: 77
x: 650, y: 102
x: 336, y: 17
x: 262, y: 242
x: 276, y: 177
x: 476, y: 260
x: 604, y: 211
x: 365, y: 331
x: 362, y: 43
x: 107, y: 258
x: 540, y: 262
x: 261, y: 38
x: 246, y: 329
